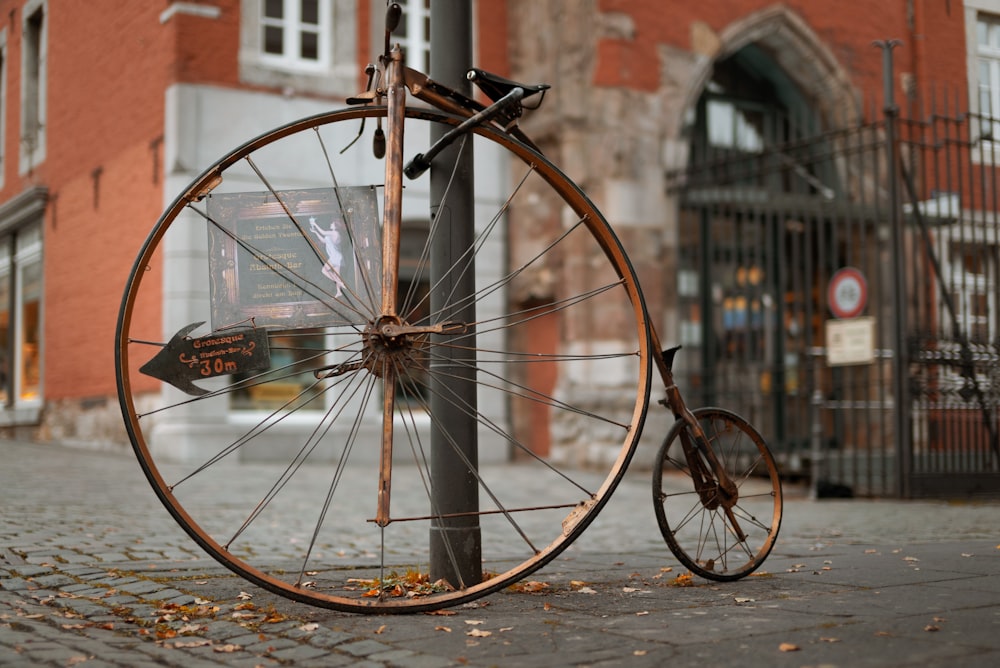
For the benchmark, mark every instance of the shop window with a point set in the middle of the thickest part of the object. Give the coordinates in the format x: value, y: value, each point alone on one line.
x: 288, y: 350
x: 21, y: 319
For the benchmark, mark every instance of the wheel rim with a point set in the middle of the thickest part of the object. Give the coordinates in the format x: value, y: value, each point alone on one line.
x: 289, y: 515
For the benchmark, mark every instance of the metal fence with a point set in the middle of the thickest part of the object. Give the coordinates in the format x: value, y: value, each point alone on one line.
x: 843, y: 292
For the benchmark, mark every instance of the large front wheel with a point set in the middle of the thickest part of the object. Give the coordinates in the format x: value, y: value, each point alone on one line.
x: 715, y: 533
x: 370, y: 461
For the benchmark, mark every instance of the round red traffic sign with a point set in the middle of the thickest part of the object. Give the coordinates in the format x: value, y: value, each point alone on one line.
x: 848, y: 293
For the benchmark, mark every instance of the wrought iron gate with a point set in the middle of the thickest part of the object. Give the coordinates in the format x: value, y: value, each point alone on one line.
x: 763, y: 235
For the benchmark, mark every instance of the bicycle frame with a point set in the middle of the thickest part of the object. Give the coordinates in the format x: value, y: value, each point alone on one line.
x: 712, y: 482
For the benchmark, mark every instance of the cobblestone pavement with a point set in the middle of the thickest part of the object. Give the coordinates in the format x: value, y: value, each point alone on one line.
x: 94, y: 572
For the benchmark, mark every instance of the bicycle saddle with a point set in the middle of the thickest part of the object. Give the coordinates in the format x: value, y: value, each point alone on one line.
x: 495, y: 86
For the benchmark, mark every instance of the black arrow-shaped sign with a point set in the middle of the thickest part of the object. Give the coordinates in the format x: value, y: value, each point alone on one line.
x: 183, y: 360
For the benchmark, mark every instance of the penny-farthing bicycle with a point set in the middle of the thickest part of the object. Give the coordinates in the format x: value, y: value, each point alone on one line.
x: 305, y: 325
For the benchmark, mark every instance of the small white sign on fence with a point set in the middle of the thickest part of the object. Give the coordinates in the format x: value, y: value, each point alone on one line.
x: 850, y: 341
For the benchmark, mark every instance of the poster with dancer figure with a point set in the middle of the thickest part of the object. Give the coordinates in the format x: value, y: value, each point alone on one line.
x: 293, y: 259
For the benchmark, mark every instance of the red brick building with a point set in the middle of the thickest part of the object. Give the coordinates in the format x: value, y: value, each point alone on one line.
x: 109, y: 109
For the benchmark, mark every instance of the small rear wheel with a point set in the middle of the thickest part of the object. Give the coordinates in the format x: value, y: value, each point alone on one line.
x: 715, y: 534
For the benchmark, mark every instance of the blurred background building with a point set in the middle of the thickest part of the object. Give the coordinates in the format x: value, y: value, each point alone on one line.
x: 742, y: 148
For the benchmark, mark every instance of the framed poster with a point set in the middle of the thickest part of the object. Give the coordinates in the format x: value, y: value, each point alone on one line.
x: 293, y: 259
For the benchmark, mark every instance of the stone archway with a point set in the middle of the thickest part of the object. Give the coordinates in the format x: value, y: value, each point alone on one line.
x: 793, y: 46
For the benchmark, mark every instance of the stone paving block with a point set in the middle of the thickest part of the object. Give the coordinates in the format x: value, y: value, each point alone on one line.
x: 223, y: 630
x: 417, y: 661
x: 28, y: 571
x: 111, y: 556
x: 297, y: 653
x: 328, y: 638
x: 16, y: 584
x: 140, y: 587
x: 115, y: 581
x: 167, y: 594
x: 82, y: 571
x: 83, y: 606
x: 118, y: 599
x: 76, y: 588
x: 59, y: 654
x: 363, y: 647
x: 54, y: 580
x: 270, y: 645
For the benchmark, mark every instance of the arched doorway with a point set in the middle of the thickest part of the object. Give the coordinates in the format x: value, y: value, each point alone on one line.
x: 772, y: 203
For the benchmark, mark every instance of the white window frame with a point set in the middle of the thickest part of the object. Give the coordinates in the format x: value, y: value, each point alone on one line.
x: 4, y: 57
x: 335, y: 73
x: 417, y: 42
x: 292, y: 28
x: 33, y: 120
x: 966, y: 286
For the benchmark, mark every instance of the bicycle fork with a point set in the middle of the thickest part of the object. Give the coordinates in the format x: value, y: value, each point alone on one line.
x: 712, y: 483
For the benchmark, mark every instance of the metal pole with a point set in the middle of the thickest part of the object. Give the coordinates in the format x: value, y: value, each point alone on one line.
x: 901, y: 414
x: 455, y: 542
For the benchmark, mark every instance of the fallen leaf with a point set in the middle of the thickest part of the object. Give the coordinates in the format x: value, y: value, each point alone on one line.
x: 883, y: 634
x: 473, y: 622
x: 442, y: 628
x: 180, y: 644
x: 666, y: 569
x: 379, y: 630
x: 311, y: 626
x: 966, y: 554
x: 504, y: 629
x: 910, y: 559
x: 642, y: 613
x: 788, y: 647
x: 441, y: 613
x: 73, y: 660
x: 940, y: 619
x: 743, y: 599
x: 531, y: 587
x: 74, y: 626
x: 227, y: 649
x: 639, y: 652
x: 547, y: 607
x: 682, y: 580
x: 478, y: 633
x: 577, y: 583
x: 243, y: 596
x: 586, y: 590
x: 829, y: 639
x: 932, y: 628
